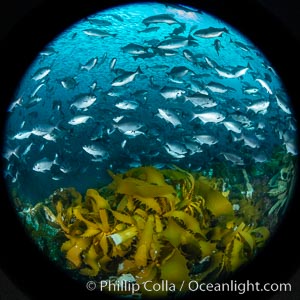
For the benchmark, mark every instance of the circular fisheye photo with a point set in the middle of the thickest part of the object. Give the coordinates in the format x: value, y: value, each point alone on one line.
x: 150, y: 148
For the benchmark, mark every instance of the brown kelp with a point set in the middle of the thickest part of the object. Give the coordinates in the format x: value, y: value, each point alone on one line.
x: 148, y: 222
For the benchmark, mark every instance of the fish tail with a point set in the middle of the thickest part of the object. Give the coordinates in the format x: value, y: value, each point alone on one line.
x: 226, y: 30
x: 190, y: 37
x: 193, y: 117
x: 139, y: 70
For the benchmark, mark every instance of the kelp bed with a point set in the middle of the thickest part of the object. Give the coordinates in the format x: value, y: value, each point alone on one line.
x: 155, y: 225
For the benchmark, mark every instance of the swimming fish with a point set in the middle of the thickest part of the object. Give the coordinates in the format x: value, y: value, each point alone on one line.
x: 68, y: 83
x: 81, y: 119
x: 128, y: 126
x: 95, y: 150
x: 282, y: 104
x: 41, y: 73
x: 90, y: 64
x: 205, y: 139
x: 169, y: 116
x: 234, y: 73
x: 127, y: 105
x: 134, y: 49
x: 83, y: 101
x: 99, y: 33
x: 259, y: 106
x: 235, y: 159
x: 210, y: 32
x: 209, y: 117
x: 175, y: 149
x: 126, y: 77
x: 45, y: 164
x: 160, y: 18
x: 171, y: 92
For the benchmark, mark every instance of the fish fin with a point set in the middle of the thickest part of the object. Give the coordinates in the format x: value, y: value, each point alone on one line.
x: 139, y: 71
x: 194, y: 117
x: 55, y: 162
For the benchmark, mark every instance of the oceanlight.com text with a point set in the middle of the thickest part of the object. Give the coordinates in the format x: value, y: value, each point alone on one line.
x: 191, y: 286
x: 239, y: 287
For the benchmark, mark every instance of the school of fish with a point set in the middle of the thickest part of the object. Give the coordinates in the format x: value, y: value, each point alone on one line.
x: 137, y: 86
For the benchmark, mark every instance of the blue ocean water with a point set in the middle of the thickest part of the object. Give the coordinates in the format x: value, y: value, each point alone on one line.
x: 144, y: 84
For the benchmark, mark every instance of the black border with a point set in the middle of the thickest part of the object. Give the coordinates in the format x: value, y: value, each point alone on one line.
x: 29, y: 270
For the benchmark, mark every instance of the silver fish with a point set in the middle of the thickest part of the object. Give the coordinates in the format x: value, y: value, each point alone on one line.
x: 45, y: 164
x: 41, y: 73
x: 112, y: 63
x: 33, y: 101
x: 33, y: 94
x: 179, y: 72
x: 291, y: 147
x: 260, y: 157
x: 96, y: 151
x: 77, y: 120
x: 48, y: 51
x: 118, y: 119
x: 127, y: 105
x: 289, y: 140
x: 259, y: 106
x: 233, y: 126
x: 43, y: 129
x: 22, y: 135
x: 242, y: 119
x: 250, y: 90
x: 90, y: 64
x: 133, y: 133
x: 169, y: 116
x: 128, y: 126
x: 282, y: 104
x: 68, y: 83
x: 205, y: 139
x: 27, y: 150
x: 190, y: 56
x: 201, y: 100
x: 161, y: 18
x: 50, y: 137
x: 235, y: 73
x: 15, y: 104
x: 171, y: 92
x: 98, y: 33
x: 251, y: 141
x: 83, y: 101
x: 193, y: 148
x: 176, y: 150
x: 210, y: 117
x: 134, y: 49
x: 174, y: 43
x: 99, y: 22
x: 264, y: 85
x: 211, y: 63
x: 126, y: 77
x: 210, y: 32
x: 197, y: 87
x: 235, y: 159
x: 217, y: 87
